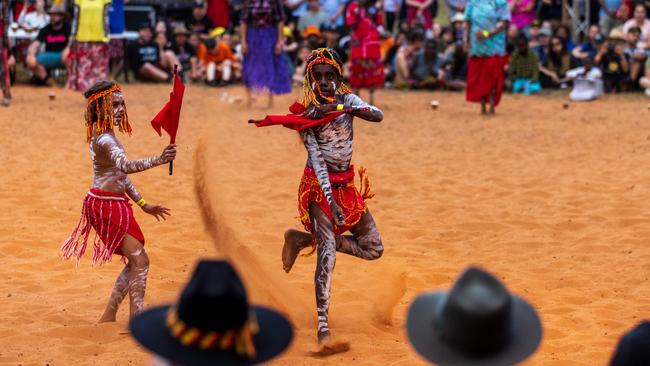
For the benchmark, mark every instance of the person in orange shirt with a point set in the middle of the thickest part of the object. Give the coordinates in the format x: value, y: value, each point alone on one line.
x: 217, y: 59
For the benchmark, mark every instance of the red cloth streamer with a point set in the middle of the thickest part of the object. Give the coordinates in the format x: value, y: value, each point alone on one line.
x: 294, y: 120
x: 169, y: 115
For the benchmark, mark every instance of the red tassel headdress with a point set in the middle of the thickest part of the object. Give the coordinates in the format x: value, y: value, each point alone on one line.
x: 99, y: 113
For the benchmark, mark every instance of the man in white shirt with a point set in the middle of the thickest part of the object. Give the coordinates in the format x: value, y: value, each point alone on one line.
x: 587, y: 81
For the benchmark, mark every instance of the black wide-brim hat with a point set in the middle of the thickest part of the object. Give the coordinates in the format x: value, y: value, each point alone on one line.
x: 426, y: 314
x: 274, y: 336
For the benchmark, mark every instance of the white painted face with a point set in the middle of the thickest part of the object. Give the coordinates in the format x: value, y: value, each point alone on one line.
x: 118, y: 108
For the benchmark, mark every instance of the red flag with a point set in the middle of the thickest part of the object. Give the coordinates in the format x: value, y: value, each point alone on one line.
x: 294, y: 120
x: 169, y: 115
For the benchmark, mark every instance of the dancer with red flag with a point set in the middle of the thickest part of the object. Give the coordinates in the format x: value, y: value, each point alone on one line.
x: 106, y: 207
x: 329, y: 204
x: 170, y: 114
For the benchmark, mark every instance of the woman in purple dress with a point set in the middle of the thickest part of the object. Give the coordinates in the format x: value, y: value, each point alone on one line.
x: 265, y: 68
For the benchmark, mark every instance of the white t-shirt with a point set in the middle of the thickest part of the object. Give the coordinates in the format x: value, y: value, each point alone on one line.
x: 585, y: 87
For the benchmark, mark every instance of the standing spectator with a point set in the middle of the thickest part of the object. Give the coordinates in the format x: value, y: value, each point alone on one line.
x: 557, y: 64
x: 116, y: 46
x: 34, y: 20
x: 5, y: 83
x: 523, y: 14
x: 391, y: 9
x: 612, y: 60
x: 645, y: 81
x: 150, y: 60
x: 366, y: 67
x: 185, y: 53
x: 265, y: 68
x: 634, y: 347
x: 609, y: 16
x: 639, y: 20
x: 523, y: 70
x: 587, y: 81
x: 55, y: 36
x: 551, y: 10
x: 456, y: 7
x: 419, y: 12
x: 218, y: 13
x: 487, y: 22
x: 218, y: 60
x: 591, y: 45
x: 88, y: 50
x: 200, y: 23
x: 313, y: 16
x: 335, y: 9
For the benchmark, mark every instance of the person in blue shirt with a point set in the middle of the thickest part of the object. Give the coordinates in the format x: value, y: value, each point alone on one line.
x: 609, y: 16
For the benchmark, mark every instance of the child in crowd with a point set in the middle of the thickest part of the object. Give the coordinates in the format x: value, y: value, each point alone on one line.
x: 587, y: 81
x: 523, y: 72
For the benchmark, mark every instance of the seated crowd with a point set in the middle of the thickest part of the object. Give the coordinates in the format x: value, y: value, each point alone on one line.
x: 416, y: 51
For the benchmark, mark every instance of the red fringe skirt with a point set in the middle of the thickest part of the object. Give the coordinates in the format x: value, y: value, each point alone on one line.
x: 111, y: 215
x: 485, y: 73
x: 346, y: 195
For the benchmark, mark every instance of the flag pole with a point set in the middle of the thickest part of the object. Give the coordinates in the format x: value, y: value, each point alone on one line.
x: 171, y: 163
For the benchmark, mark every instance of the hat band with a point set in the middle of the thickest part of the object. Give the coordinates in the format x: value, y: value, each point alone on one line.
x: 239, y: 340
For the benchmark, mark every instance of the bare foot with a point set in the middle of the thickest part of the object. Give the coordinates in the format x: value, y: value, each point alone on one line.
x: 294, y: 242
x: 328, y: 346
x: 107, y: 318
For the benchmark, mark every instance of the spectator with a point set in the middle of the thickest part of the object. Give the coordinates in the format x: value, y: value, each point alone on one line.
x: 55, y: 37
x: 218, y: 60
x: 265, y: 68
x: 523, y: 69
x: 34, y: 20
x: 458, y: 26
x: 366, y: 66
x: 523, y: 14
x: 587, y: 81
x: 591, y: 46
x: 564, y: 33
x: 477, y: 322
x: 543, y: 39
x: 455, y: 67
x: 612, y: 60
x: 218, y: 13
x: 185, y: 53
x: 511, y: 39
x: 213, y: 306
x: 639, y: 20
x: 313, y: 16
x: 194, y: 40
x: 609, y: 16
x: 5, y: 63
x: 149, y: 60
x: 456, y: 7
x: 391, y: 10
x: 419, y: 12
x: 200, y: 23
x: 635, y: 55
x: 557, y: 64
x: 645, y: 81
x: 88, y: 50
x: 426, y: 70
x: 634, y: 347
x: 335, y: 10
x: 550, y: 10
x: 404, y: 58
x: 486, y: 40
x: 313, y: 38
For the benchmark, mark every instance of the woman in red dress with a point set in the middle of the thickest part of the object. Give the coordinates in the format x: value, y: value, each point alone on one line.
x: 367, y: 68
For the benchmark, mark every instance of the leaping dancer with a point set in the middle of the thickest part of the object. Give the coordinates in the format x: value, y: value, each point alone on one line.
x: 328, y: 202
x: 106, y: 207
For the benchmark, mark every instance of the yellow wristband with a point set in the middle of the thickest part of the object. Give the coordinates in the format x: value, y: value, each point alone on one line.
x: 339, y: 107
x: 486, y: 34
x: 141, y: 202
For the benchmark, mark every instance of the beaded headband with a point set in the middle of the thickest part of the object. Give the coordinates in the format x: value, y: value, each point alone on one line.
x: 321, y: 56
x: 239, y: 340
x: 99, y: 113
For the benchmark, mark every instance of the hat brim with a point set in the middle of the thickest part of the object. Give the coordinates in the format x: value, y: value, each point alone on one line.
x: 526, y: 335
x: 150, y: 330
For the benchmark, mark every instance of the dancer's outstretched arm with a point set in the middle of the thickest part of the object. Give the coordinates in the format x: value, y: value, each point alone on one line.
x: 115, y: 153
x: 366, y: 112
